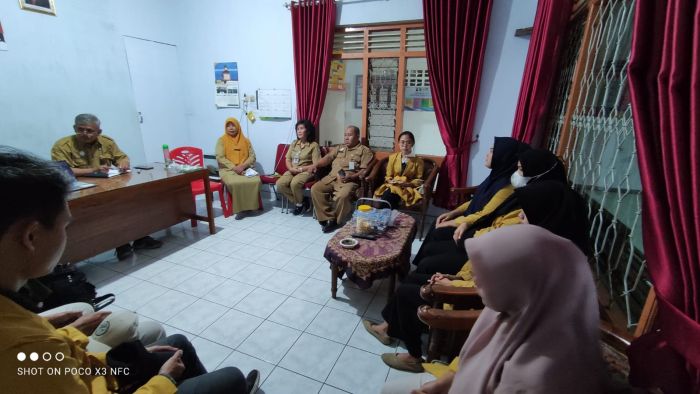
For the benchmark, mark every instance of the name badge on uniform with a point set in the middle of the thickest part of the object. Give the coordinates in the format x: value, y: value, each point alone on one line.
x: 295, y: 158
x: 82, y: 153
x: 351, y: 166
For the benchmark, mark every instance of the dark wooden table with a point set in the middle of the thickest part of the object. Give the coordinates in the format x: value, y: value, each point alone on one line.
x: 130, y: 206
x: 388, y: 255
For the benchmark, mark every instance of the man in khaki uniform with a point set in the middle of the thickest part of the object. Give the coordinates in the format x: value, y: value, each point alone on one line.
x: 89, y: 151
x: 349, y: 164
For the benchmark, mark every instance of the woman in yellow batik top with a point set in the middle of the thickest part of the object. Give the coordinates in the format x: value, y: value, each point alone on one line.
x: 235, y: 155
x: 404, y: 174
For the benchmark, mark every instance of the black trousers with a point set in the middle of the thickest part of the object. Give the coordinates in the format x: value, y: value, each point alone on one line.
x: 441, y: 256
x: 401, y: 312
x: 195, y: 379
x: 434, y: 235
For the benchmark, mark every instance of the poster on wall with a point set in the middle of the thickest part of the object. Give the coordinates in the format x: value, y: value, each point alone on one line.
x: 418, y: 98
x: 3, y: 44
x: 336, y: 80
x: 226, y: 81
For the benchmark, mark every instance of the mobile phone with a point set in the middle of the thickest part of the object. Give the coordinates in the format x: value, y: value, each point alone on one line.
x: 143, y: 167
x: 341, y: 173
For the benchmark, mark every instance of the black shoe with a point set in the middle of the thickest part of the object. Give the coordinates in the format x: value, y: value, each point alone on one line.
x: 147, y: 243
x: 306, y: 204
x: 330, y: 226
x: 323, y: 223
x: 252, y: 381
x: 124, y: 252
x: 298, y: 209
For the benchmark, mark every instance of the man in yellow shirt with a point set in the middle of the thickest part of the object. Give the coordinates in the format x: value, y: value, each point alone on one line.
x: 36, y: 357
x: 88, y: 151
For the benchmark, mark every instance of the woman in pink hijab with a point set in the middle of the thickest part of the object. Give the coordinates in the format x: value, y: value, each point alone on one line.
x: 539, y: 330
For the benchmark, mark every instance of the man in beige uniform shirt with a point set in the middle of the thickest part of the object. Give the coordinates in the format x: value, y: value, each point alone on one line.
x: 349, y: 164
x: 89, y: 151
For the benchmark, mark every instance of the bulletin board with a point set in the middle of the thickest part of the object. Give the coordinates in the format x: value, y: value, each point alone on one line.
x: 274, y: 103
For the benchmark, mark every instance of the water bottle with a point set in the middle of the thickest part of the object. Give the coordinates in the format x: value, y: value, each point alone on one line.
x: 166, y: 155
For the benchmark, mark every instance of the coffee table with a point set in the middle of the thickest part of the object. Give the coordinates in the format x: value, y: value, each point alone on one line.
x: 387, y: 256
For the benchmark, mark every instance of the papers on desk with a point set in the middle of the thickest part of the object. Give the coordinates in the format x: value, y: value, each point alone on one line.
x: 250, y: 172
x: 115, y: 171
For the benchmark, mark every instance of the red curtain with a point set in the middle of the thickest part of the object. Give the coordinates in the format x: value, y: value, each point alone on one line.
x: 313, y: 26
x: 455, y: 40
x: 542, y: 63
x: 664, y: 81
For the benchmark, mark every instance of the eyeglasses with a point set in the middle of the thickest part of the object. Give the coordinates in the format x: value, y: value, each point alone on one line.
x: 85, y: 130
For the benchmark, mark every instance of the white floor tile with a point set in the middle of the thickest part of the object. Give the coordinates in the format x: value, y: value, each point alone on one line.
x: 181, y: 255
x: 210, y: 354
x: 202, y: 260
x: 312, y: 357
x: 173, y: 276
x: 274, y: 259
x: 201, y: 284
x: 139, y: 295
x: 314, y: 290
x: 198, y: 316
x: 228, y: 293
x: 334, y: 325
x: 166, y: 306
x: 147, y: 271
x: 374, y: 310
x: 260, y: 302
x: 165, y: 250
x: 283, y: 282
x: 250, y: 252
x: 228, y: 267
x: 254, y: 274
x: 326, y: 389
x: 282, y: 381
x: 224, y: 247
x: 247, y: 363
x: 117, y: 284
x: 358, y: 372
x: 323, y: 272
x: 351, y: 300
x: 313, y: 251
x: 302, y: 265
x: 232, y: 328
x: 207, y: 243
x: 170, y: 330
x: 295, y: 313
x: 269, y: 342
x: 228, y: 232
x: 245, y: 236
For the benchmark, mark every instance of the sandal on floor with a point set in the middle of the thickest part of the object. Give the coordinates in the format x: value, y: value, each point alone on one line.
x: 384, y: 339
x: 393, y: 360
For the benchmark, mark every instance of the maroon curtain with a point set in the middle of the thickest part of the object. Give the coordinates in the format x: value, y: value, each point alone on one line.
x: 313, y: 26
x: 542, y: 63
x: 455, y: 40
x: 664, y: 81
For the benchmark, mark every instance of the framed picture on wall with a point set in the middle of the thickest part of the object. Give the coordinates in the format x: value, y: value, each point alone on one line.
x: 3, y: 44
x: 43, y: 6
x: 358, y: 91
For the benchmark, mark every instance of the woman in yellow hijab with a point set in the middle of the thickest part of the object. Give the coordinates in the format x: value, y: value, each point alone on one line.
x: 235, y: 156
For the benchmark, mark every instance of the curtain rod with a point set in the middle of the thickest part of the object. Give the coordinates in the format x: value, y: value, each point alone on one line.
x: 289, y: 5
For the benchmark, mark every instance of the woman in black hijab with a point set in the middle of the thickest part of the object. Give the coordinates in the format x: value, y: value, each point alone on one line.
x: 550, y: 204
x: 502, y: 160
x: 536, y: 165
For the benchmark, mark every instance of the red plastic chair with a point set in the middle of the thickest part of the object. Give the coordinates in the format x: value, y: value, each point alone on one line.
x: 280, y: 168
x: 194, y: 157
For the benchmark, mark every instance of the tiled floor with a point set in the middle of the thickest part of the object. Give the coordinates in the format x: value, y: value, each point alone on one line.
x: 256, y: 295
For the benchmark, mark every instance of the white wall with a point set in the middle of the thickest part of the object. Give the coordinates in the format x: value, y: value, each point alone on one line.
x: 353, y: 12
x: 504, y: 63
x: 59, y: 66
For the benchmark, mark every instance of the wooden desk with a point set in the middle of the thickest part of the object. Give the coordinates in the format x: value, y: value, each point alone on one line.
x: 130, y: 206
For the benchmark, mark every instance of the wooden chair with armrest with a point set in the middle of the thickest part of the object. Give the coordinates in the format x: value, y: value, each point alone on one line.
x: 449, y: 330
x: 431, y: 168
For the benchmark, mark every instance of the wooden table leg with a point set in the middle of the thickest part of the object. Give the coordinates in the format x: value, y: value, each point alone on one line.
x: 210, y: 209
x: 392, y: 284
x: 334, y: 280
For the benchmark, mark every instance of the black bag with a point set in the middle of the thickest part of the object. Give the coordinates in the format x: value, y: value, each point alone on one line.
x: 64, y: 286
x: 141, y: 364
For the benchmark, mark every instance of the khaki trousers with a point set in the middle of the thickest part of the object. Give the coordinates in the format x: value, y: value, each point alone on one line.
x: 341, y: 193
x: 292, y: 186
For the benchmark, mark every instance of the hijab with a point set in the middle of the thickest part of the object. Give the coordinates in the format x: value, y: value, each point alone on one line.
x: 556, y: 207
x: 503, y: 163
x: 541, y: 165
x: 539, y: 330
x: 235, y: 148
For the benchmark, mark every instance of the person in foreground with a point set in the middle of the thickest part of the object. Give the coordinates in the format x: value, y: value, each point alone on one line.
x: 89, y: 151
x: 235, y: 156
x: 349, y: 164
x: 536, y: 334
x: 301, y: 156
x: 33, y: 221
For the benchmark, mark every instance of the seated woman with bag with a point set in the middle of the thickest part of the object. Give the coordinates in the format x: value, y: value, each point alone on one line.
x: 404, y: 172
